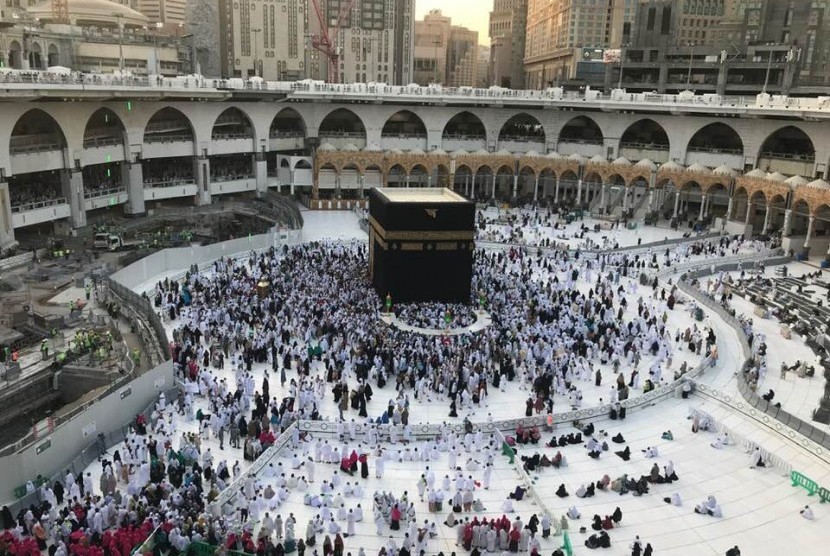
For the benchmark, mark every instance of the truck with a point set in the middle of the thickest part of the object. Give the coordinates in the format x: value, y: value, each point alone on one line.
x: 113, y: 242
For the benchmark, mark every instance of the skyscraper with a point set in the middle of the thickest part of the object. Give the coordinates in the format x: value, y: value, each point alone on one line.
x: 162, y: 11
x: 508, y: 25
x: 274, y: 39
x: 445, y: 53
x: 563, y: 35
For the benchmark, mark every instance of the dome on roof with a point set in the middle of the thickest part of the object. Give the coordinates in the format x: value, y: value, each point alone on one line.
x: 598, y: 159
x: 97, y: 13
x: 372, y: 148
x: 459, y: 152
x: 777, y: 176
x: 553, y: 155
x: 671, y: 166
x: 531, y: 154
x: 756, y: 173
x: 576, y: 157
x: 819, y: 184
x: 416, y: 151
x: 394, y: 151
x: 795, y: 181
x: 480, y: 152
x: 504, y: 152
x: 439, y: 151
x: 350, y: 147
x: 647, y: 164
x: 698, y: 169
x: 326, y: 147
x: 622, y: 161
x: 724, y: 170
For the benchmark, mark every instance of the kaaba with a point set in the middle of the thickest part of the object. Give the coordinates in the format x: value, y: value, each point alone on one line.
x: 421, y: 244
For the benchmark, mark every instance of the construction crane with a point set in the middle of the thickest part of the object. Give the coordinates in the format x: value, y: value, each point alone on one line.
x: 60, y: 11
x: 325, y: 41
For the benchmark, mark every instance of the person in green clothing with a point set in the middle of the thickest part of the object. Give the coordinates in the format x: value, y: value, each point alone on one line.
x: 136, y: 357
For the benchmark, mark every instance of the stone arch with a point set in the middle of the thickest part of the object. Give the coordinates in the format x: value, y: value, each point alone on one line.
x: 442, y: 176
x: 466, y: 126
x: 232, y: 123
x: 800, y: 217
x: 53, y: 55
x: 716, y: 137
x: 373, y: 176
x: 484, y: 179
x: 404, y: 123
x: 522, y: 128
x: 788, y: 150
x: 396, y: 176
x: 36, y: 58
x: 547, y: 181
x: 645, y: 134
x: 504, y: 182
x: 343, y: 124
x: 15, y: 55
x: 527, y: 182
x: 168, y: 124
x: 103, y: 128
x: 718, y: 200
x: 419, y: 176
x: 581, y: 129
x: 36, y: 130
x: 287, y: 123
x: 462, y: 178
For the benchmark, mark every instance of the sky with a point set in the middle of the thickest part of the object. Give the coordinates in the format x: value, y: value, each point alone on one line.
x: 474, y: 14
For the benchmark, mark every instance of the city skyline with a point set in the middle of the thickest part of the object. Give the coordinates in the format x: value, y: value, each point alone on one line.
x: 465, y: 13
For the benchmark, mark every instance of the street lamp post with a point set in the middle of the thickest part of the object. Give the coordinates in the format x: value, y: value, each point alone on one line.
x: 256, y: 33
x: 120, y: 18
x: 691, y: 61
x: 159, y: 25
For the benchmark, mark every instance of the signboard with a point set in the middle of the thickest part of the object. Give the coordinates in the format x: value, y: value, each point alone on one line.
x: 89, y: 430
x: 612, y: 56
x: 43, y: 447
x: 593, y: 54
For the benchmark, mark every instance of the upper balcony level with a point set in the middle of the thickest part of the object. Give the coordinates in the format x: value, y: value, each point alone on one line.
x: 29, y: 85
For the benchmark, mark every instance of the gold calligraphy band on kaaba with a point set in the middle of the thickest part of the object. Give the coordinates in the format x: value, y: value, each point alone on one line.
x: 415, y: 235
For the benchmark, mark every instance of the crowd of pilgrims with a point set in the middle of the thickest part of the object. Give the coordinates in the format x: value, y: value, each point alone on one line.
x: 556, y: 317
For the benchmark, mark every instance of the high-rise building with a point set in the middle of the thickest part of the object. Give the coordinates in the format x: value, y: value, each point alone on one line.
x: 375, y: 40
x: 170, y: 12
x: 483, y: 69
x: 273, y: 39
x: 508, y: 25
x: 444, y: 53
x: 260, y: 37
x: 564, y: 37
x: 727, y: 47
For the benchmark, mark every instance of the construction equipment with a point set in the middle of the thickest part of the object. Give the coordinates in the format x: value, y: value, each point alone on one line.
x: 325, y: 41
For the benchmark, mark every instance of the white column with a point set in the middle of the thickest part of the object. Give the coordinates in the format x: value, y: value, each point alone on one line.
x: 515, y: 185
x: 748, y: 211
x: 729, y: 208
x: 702, y: 207
x: 578, y: 191
x: 556, y: 191
x: 536, y: 189
x: 788, y: 222
x: 650, y: 200
x: 602, y: 197
x: 72, y: 188
x: 676, y: 202
x: 407, y: 180
x: 473, y: 187
x: 767, y: 218
x: 625, y: 197
x: 132, y: 176
x: 810, y: 224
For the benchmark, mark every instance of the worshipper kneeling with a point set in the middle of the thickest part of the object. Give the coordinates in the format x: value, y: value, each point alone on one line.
x: 602, y: 540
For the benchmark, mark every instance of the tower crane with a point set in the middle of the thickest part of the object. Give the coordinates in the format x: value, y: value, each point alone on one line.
x: 325, y: 42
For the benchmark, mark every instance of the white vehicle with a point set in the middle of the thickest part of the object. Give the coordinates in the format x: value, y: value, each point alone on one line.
x: 112, y: 242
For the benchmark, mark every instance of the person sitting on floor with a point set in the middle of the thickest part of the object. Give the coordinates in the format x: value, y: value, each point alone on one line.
x: 710, y: 507
x: 561, y: 492
x: 807, y: 513
x: 617, y: 515
x: 720, y: 441
x: 596, y: 525
x: 624, y: 454
x: 607, y: 523
x: 650, y: 452
x: 602, y: 540
x: 674, y: 499
x: 667, y: 435
x: 518, y: 494
x: 618, y: 438
x: 757, y: 458
x: 604, y: 483
x: 573, y: 513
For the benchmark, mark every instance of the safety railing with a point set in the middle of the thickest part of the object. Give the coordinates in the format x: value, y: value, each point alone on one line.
x: 38, y: 205
x: 94, y: 194
x: 168, y: 183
